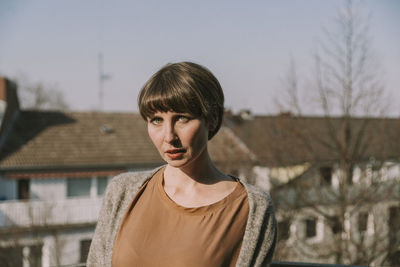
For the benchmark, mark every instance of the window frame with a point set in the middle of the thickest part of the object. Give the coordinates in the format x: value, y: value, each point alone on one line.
x: 80, y: 179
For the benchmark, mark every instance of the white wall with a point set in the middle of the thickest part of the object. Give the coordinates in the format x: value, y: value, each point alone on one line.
x: 48, y: 189
x: 262, y: 177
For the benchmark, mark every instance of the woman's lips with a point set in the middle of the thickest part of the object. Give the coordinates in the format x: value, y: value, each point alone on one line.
x: 175, y: 153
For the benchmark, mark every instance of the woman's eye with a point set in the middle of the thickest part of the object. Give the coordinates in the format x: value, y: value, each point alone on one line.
x: 183, y: 119
x: 156, y: 121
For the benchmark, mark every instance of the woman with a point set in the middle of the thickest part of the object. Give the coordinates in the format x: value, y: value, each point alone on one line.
x: 186, y: 213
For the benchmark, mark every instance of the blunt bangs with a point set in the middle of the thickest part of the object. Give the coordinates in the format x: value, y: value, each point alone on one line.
x: 173, y: 98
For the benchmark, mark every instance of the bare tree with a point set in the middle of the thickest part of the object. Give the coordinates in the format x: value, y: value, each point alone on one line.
x: 349, y: 93
x: 40, y: 96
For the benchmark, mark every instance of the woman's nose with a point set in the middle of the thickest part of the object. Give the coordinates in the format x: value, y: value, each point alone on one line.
x: 169, y: 133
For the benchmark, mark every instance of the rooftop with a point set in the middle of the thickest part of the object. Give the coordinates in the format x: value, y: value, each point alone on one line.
x: 63, y: 140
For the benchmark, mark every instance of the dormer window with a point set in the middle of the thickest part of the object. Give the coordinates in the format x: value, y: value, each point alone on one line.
x: 106, y: 129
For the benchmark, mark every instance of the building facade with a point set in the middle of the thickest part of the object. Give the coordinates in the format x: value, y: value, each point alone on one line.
x: 334, y: 183
x: 336, y: 199
x: 54, y: 168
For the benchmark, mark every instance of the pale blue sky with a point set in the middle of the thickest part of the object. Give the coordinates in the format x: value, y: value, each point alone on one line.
x: 247, y: 44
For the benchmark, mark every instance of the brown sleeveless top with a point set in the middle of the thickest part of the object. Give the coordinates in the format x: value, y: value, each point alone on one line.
x: 156, y: 231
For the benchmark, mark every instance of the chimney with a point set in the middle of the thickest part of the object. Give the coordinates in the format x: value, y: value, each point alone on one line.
x: 9, y: 107
x: 2, y: 98
x: 285, y: 114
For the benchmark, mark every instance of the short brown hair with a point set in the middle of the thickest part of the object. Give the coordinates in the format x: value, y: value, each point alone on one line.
x: 184, y: 87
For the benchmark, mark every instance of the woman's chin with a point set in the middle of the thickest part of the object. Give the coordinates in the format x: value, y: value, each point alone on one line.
x: 179, y: 163
x: 176, y: 163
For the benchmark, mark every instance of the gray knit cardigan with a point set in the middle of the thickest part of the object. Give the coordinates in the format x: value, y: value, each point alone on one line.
x: 258, y: 241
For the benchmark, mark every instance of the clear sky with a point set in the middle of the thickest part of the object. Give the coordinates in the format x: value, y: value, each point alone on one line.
x: 246, y: 44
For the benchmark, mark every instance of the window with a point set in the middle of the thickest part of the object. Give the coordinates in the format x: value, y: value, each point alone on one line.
x: 311, y: 227
x: 362, y: 221
x: 394, y: 219
x: 350, y: 175
x: 78, y: 187
x: 13, y: 256
x: 35, y: 256
x: 23, y: 189
x: 84, y: 249
x: 336, y: 225
x: 326, y: 175
x: 283, y: 230
x: 101, y: 185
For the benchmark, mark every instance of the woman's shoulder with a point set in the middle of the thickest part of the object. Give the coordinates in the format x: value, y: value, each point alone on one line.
x: 257, y: 195
x: 127, y: 178
x: 128, y: 182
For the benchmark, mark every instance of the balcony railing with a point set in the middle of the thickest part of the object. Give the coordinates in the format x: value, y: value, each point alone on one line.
x: 46, y: 213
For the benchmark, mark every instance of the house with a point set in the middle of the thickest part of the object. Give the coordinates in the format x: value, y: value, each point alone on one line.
x: 334, y: 183
x: 54, y: 168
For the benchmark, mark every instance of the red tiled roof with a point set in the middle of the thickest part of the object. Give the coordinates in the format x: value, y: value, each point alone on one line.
x: 288, y: 140
x: 53, y: 140
x: 94, y: 141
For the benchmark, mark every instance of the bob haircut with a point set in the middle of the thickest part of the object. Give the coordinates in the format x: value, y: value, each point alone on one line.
x: 184, y: 87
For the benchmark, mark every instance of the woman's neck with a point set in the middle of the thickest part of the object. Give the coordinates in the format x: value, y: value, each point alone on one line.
x: 196, y: 185
x: 202, y: 171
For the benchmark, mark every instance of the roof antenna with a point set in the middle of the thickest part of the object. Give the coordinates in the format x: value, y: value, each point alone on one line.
x: 102, y: 78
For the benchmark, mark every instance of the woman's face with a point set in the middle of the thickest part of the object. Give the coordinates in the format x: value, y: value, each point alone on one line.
x: 180, y: 138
